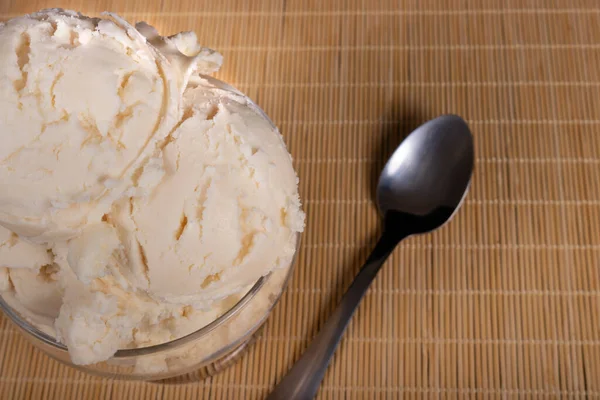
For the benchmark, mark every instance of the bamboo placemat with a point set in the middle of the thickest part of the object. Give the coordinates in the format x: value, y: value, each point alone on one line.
x: 502, y: 302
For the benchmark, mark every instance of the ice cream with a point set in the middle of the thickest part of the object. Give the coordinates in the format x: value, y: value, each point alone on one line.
x: 139, y: 202
x: 28, y: 279
x: 83, y: 103
x: 226, y: 210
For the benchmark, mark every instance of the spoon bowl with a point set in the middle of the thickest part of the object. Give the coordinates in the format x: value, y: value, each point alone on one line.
x: 430, y: 169
x: 413, y: 189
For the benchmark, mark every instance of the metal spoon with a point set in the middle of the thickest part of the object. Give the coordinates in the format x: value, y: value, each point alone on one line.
x: 420, y: 188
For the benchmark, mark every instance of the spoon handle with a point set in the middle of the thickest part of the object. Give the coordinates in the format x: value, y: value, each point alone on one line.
x: 303, y: 380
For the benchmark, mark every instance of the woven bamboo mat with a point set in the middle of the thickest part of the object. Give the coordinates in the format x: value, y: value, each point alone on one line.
x: 502, y: 302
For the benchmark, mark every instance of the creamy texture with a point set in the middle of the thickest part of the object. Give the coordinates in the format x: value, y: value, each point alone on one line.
x: 29, y: 279
x: 17, y: 253
x: 226, y: 212
x: 83, y: 104
x: 98, y: 319
x: 138, y: 202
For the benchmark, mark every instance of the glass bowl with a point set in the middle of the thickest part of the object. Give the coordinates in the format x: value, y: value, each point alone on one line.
x: 204, y: 352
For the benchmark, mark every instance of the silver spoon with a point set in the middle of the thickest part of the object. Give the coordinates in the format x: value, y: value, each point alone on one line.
x: 420, y: 188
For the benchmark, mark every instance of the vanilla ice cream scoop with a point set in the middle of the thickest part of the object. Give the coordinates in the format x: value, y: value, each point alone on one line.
x: 227, y: 210
x: 83, y: 104
x: 138, y: 201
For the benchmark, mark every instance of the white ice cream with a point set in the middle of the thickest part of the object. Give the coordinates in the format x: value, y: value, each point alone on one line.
x: 84, y: 102
x: 137, y: 207
x: 226, y: 212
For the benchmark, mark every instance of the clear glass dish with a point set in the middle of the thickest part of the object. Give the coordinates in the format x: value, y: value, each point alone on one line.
x: 204, y: 352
